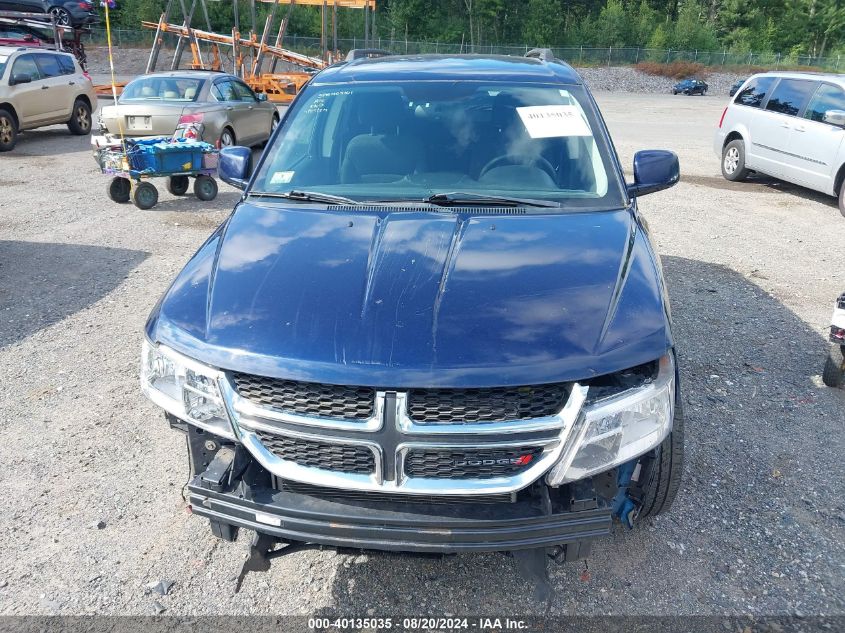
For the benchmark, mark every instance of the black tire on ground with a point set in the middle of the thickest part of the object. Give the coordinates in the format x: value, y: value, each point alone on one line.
x: 119, y: 189
x: 178, y: 185
x: 145, y: 195
x: 834, y: 367
x: 205, y: 188
x: 8, y: 131
x: 80, y: 118
x: 733, y: 161
x: 666, y: 470
x: 841, y: 195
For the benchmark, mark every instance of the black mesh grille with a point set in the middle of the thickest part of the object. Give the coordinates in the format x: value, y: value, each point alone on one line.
x: 470, y: 406
x: 338, y: 457
x: 307, y: 398
x: 469, y: 464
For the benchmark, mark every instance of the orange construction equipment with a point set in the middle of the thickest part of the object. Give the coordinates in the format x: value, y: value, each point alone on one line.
x: 280, y: 87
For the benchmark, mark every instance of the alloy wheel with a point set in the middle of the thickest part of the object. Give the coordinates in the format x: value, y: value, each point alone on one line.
x: 82, y: 118
x: 731, y: 160
x: 226, y: 139
x: 7, y: 131
x: 61, y: 15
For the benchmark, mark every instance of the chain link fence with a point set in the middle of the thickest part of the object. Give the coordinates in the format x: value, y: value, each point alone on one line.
x: 575, y: 55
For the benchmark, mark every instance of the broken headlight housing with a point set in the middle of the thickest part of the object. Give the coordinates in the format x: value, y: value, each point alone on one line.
x: 613, y: 430
x: 184, y: 388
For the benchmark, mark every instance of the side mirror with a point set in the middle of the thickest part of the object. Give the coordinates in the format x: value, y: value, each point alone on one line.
x: 235, y: 166
x: 261, y: 96
x: 835, y: 117
x: 654, y: 170
x: 20, y: 78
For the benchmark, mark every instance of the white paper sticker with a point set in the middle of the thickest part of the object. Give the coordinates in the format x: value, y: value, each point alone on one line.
x: 553, y: 121
x: 282, y: 177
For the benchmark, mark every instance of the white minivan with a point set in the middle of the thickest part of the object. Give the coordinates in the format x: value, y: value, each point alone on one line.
x: 789, y: 125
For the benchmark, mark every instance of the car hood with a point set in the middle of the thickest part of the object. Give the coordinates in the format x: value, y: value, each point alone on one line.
x: 418, y: 298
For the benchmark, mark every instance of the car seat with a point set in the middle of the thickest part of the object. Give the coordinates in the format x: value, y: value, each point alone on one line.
x: 385, y: 151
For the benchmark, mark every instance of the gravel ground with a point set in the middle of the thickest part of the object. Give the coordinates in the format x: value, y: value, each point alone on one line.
x: 129, y: 62
x: 628, y: 79
x: 92, y: 491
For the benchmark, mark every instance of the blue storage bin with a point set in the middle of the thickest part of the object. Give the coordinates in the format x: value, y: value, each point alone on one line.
x: 176, y: 157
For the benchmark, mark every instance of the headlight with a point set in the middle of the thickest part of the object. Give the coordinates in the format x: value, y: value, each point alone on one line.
x: 184, y: 388
x: 615, y: 430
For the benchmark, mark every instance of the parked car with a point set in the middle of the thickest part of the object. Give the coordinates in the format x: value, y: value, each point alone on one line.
x: 40, y: 87
x: 228, y: 110
x: 76, y: 13
x: 787, y: 125
x: 434, y: 323
x: 690, y: 87
x: 21, y: 35
x: 834, y: 367
x: 736, y: 87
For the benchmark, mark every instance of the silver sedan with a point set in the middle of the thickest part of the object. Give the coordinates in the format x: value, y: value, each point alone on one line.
x: 228, y: 110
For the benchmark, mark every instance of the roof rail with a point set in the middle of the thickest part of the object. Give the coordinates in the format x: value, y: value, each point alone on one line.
x: 366, y: 53
x: 544, y: 54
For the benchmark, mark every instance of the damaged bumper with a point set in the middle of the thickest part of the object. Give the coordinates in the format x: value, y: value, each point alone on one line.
x: 256, y: 501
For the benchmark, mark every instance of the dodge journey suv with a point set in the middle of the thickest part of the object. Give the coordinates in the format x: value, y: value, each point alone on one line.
x: 790, y: 126
x: 435, y: 322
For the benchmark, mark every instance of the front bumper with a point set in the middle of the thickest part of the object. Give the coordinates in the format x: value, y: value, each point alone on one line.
x: 232, y: 489
x: 417, y: 527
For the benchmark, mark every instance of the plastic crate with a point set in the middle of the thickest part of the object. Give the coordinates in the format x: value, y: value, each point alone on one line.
x: 176, y: 157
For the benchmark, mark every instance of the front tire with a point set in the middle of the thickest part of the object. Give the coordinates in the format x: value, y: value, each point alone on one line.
x: 61, y: 15
x: 119, y: 190
x: 834, y: 367
x: 205, y: 188
x: 841, y: 192
x: 145, y: 196
x: 666, y: 470
x: 8, y: 131
x: 80, y: 120
x: 733, y: 161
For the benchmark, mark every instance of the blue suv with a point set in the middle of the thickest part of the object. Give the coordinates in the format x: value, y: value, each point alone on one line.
x: 435, y: 321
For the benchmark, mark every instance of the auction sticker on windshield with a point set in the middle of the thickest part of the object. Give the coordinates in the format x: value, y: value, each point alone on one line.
x: 553, y: 121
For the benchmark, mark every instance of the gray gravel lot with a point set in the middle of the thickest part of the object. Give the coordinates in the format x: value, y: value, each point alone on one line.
x: 92, y: 480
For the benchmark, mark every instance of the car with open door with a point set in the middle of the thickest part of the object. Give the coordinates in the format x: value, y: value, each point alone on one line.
x: 435, y: 322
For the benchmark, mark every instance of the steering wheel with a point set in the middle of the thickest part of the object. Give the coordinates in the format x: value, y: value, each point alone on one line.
x: 513, y: 159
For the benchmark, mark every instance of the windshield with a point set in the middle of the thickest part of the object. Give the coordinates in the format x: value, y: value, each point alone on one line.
x: 408, y: 141
x: 162, y: 89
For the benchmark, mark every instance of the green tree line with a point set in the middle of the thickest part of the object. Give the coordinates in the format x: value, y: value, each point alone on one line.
x: 791, y: 27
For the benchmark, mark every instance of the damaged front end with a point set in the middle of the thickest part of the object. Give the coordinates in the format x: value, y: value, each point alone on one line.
x: 404, y: 474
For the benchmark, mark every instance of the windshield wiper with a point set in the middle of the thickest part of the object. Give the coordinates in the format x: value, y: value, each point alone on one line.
x: 306, y: 196
x: 457, y: 198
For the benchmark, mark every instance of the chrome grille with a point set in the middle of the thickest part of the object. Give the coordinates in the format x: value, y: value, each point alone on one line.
x: 473, y: 406
x: 307, y: 398
x: 469, y: 464
x: 337, y: 457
